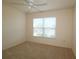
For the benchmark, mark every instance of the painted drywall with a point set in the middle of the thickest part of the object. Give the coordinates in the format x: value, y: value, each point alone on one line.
x: 74, y: 31
x: 13, y: 26
x: 63, y: 28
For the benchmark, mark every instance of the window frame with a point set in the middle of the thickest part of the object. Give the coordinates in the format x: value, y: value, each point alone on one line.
x: 43, y: 30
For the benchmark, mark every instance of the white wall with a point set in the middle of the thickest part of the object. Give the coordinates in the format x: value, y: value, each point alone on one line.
x: 13, y: 26
x: 63, y: 28
x: 17, y: 27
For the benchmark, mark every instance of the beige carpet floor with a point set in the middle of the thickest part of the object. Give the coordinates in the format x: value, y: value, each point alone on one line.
x: 30, y: 50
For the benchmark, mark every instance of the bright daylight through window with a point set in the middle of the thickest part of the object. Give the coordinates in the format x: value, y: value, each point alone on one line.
x: 44, y: 27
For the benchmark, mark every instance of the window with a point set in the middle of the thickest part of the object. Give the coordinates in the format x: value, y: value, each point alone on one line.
x: 44, y: 27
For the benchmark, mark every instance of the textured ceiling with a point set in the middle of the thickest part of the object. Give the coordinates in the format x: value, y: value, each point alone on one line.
x: 50, y: 5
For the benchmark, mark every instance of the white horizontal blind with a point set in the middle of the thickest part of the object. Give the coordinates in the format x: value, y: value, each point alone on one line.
x: 44, y: 27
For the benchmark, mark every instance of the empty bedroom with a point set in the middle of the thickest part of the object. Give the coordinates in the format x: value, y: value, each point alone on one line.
x: 38, y: 29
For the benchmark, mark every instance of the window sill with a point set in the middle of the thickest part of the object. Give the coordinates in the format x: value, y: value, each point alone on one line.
x: 44, y: 37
